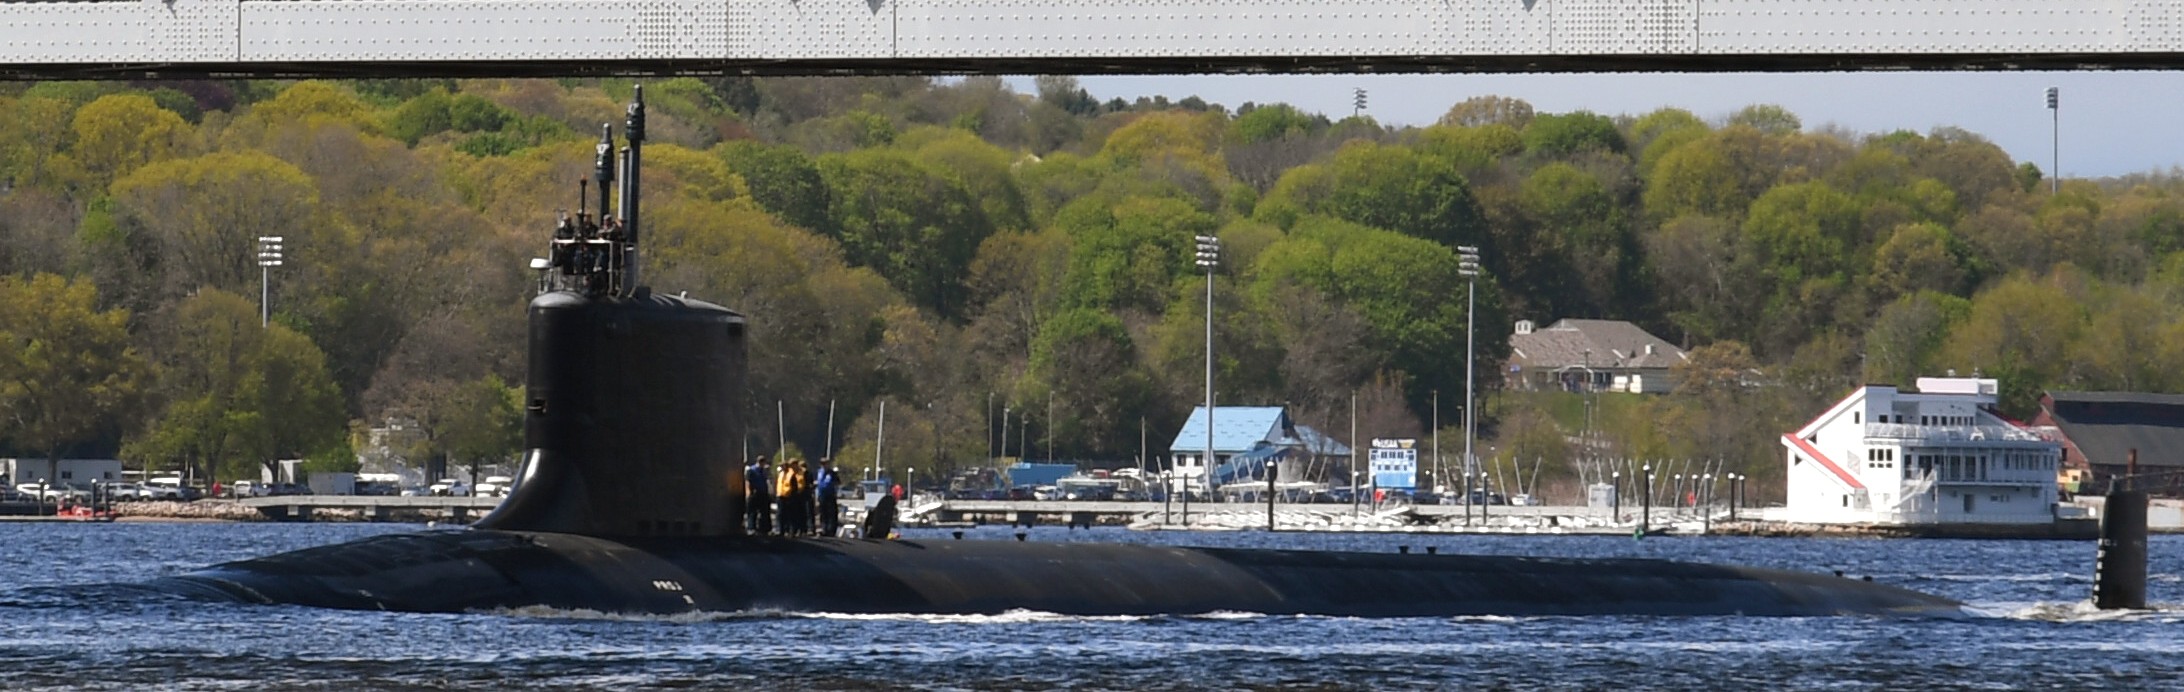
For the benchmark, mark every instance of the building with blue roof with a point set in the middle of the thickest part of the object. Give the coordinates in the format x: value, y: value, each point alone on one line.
x: 1245, y: 439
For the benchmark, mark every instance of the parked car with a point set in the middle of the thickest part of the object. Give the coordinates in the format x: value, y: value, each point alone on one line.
x: 493, y: 486
x: 451, y: 487
x: 167, y: 488
x: 243, y: 489
x: 62, y: 492
x: 1481, y: 497
x: 380, y: 488
x: 123, y: 491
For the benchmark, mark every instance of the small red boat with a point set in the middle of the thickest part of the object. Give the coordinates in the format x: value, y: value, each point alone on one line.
x: 84, y: 513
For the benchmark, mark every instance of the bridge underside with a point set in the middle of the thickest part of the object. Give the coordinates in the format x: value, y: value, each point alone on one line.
x: 1102, y: 66
x: 136, y: 39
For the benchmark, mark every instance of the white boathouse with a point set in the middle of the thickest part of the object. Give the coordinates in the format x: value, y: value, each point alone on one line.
x: 1940, y: 455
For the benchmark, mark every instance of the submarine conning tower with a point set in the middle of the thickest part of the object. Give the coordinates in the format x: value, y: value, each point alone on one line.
x: 633, y: 401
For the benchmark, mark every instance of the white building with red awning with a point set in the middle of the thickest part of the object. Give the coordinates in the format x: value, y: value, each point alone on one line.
x: 1940, y: 455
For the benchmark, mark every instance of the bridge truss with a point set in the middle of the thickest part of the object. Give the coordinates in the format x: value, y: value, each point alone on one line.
x: 278, y: 38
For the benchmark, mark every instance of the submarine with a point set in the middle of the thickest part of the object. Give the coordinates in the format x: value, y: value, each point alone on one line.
x: 630, y: 496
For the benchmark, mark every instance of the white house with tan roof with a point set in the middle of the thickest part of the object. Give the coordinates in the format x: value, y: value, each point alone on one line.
x: 1590, y: 356
x: 1940, y: 455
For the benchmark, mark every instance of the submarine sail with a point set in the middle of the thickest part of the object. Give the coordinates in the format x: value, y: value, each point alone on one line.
x: 630, y: 495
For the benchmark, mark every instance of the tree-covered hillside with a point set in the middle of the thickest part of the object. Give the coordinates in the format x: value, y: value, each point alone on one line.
x: 956, y: 248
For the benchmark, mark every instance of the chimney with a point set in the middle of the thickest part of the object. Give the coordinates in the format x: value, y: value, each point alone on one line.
x: 1524, y: 327
x: 1649, y: 349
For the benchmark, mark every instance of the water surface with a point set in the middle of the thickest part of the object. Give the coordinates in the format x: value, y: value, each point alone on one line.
x: 71, y: 618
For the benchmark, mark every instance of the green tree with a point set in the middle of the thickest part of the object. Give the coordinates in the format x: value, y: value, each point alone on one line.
x: 481, y: 423
x: 119, y: 132
x: 1906, y: 335
x: 1086, y: 361
x: 313, y: 102
x: 37, y: 129
x: 1471, y: 148
x: 783, y: 180
x: 2019, y: 330
x: 1273, y: 122
x: 1479, y: 111
x: 424, y: 115
x: 1407, y: 291
x: 1768, y: 118
x: 915, y: 227
x: 1698, y: 177
x: 1803, y: 236
x: 1600, y: 249
x: 1705, y: 277
x: 983, y: 169
x: 237, y: 395
x: 194, y: 222
x: 1016, y: 284
x: 1388, y: 187
x: 67, y: 371
x: 1920, y: 257
x: 1570, y: 133
x: 1127, y: 255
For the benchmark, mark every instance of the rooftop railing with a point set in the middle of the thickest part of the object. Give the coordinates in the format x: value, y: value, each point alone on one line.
x: 1958, y: 433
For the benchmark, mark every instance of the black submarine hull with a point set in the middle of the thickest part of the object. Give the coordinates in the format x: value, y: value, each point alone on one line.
x: 484, y: 570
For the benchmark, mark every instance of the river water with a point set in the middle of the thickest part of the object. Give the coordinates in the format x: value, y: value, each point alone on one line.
x: 71, y: 618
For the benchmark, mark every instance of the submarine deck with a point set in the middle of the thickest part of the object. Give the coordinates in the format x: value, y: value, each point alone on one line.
x: 469, y: 570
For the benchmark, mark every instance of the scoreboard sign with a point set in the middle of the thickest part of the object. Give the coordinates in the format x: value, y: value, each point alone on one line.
x: 1395, y: 463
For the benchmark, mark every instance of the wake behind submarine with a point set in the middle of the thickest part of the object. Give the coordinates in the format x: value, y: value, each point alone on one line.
x: 629, y: 500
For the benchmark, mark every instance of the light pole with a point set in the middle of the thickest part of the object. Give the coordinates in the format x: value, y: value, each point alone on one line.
x: 269, y: 256
x: 1469, y: 268
x: 1209, y: 258
x: 2055, y: 140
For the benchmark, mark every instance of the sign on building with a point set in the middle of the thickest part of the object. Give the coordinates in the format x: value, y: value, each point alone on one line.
x: 1395, y: 463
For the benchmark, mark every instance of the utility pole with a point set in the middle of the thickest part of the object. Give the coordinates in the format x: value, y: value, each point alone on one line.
x: 1357, y: 102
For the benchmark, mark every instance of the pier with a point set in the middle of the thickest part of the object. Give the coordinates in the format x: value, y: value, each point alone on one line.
x: 459, y: 510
